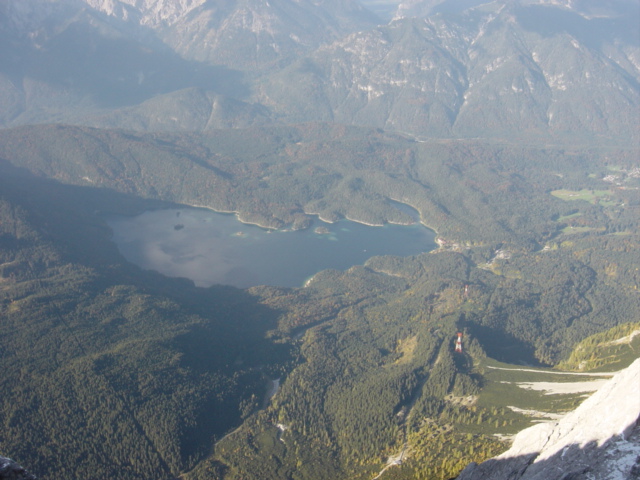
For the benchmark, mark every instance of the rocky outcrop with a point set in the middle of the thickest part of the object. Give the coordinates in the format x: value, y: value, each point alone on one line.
x: 10, y: 470
x: 600, y: 440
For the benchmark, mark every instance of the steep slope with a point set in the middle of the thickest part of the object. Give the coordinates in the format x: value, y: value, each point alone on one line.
x: 424, y: 8
x: 245, y: 34
x: 523, y: 69
x: 109, y: 372
x: 10, y: 470
x: 545, y: 68
x: 397, y: 77
x: 75, y: 62
x: 67, y: 62
x: 151, y: 13
x: 600, y: 439
x: 489, y: 71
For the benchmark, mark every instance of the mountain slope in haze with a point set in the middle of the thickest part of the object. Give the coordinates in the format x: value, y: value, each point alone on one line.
x: 66, y: 63
x: 519, y: 69
x: 245, y: 34
x: 264, y: 35
x: 74, y: 62
x: 585, y: 8
x: 424, y: 8
x: 505, y: 68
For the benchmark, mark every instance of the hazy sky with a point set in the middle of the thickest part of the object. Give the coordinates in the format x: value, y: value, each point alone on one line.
x: 380, y: 2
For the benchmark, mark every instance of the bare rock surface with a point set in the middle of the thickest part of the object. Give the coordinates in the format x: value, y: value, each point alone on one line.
x: 600, y: 440
x: 10, y: 470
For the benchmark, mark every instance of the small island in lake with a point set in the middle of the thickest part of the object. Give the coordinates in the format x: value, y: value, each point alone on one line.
x: 322, y: 231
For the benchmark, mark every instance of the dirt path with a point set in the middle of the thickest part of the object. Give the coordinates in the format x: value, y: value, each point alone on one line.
x: 393, y: 461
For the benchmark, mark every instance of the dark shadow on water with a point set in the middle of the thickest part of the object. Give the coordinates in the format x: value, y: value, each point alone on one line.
x: 228, y: 342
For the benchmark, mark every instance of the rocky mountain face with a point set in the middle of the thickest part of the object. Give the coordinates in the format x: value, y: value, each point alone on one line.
x: 146, y: 12
x: 600, y: 439
x: 586, y: 8
x: 10, y: 470
x: 246, y: 34
x: 448, y: 68
x: 80, y: 62
x: 423, y: 8
x: 502, y: 68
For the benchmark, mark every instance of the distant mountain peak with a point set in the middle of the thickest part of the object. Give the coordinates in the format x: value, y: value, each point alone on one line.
x: 146, y: 12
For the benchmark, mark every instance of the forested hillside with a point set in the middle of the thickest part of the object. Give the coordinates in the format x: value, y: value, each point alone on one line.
x: 470, y: 192
x: 522, y: 279
x: 509, y: 128
x: 105, y: 374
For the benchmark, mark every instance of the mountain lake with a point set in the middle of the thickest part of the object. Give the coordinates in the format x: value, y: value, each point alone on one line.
x: 216, y: 248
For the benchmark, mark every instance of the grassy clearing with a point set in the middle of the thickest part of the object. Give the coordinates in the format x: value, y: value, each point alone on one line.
x: 602, y: 197
x: 564, y: 218
x: 571, y: 230
x: 506, y: 386
x: 522, y: 395
x: 607, y: 352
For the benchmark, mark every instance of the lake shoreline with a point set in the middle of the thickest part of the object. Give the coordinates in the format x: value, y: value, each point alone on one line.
x: 213, y: 247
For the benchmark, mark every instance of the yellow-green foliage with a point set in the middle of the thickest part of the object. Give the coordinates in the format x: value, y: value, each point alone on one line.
x: 440, y: 452
x: 615, y: 348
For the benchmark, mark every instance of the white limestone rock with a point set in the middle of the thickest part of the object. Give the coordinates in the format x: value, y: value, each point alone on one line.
x: 600, y: 440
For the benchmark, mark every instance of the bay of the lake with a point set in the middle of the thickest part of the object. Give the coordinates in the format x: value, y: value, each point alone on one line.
x: 215, y: 248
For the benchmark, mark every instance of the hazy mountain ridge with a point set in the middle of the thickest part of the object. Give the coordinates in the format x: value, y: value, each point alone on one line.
x: 586, y: 8
x: 485, y: 73
x: 146, y: 12
x: 246, y: 34
x: 525, y: 69
x: 49, y: 71
x: 71, y: 69
x: 189, y: 109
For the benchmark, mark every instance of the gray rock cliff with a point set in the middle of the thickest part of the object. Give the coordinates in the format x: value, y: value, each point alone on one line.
x: 600, y: 440
x: 10, y: 470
